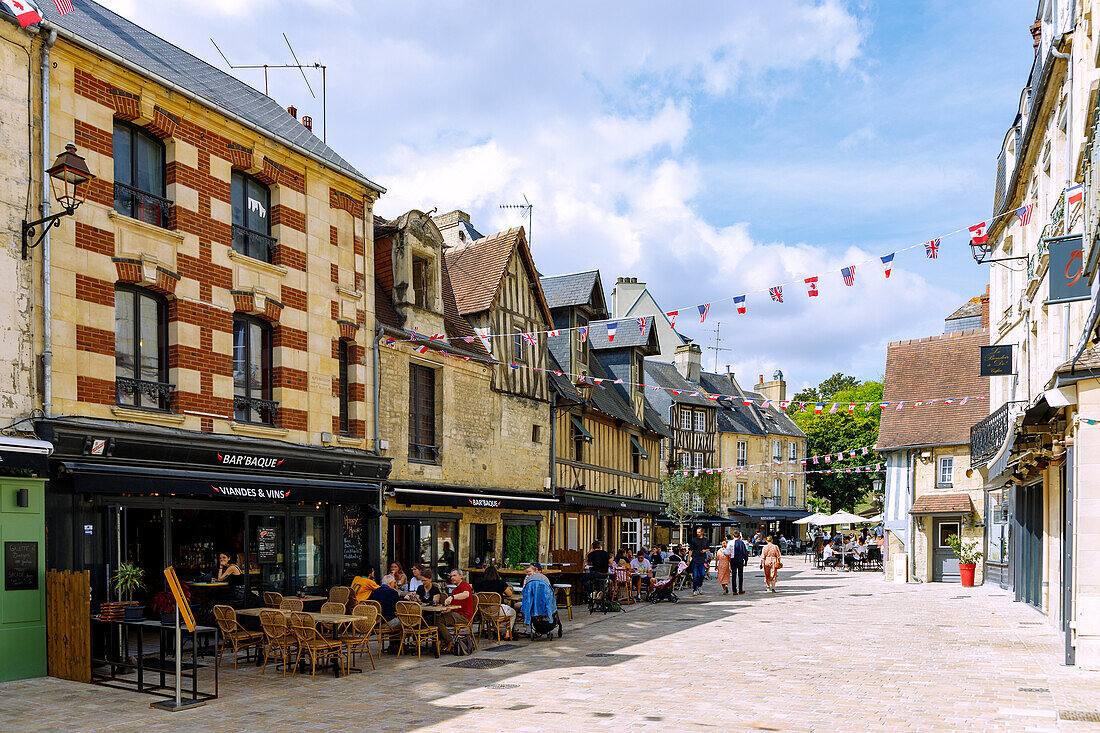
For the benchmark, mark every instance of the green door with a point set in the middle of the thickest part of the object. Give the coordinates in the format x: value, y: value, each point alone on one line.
x: 22, y: 578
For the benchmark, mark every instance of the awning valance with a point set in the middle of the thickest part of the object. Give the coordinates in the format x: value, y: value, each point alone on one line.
x: 770, y: 514
x: 638, y: 447
x: 457, y: 496
x: 579, y: 425
x: 611, y: 501
x: 24, y: 453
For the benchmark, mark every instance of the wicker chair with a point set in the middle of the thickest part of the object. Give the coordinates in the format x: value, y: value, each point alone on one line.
x: 291, y: 604
x: 272, y: 599
x: 464, y: 626
x: 491, y: 615
x: 235, y: 635
x: 361, y: 630
x: 340, y: 594
x: 381, y: 628
x: 413, y: 626
x: 277, y: 637
x: 335, y: 608
x: 312, y: 643
x: 622, y: 587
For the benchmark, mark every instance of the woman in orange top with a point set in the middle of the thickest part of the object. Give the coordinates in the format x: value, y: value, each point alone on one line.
x: 771, y: 559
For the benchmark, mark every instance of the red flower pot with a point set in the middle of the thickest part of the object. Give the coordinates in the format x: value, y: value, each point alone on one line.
x: 966, y: 571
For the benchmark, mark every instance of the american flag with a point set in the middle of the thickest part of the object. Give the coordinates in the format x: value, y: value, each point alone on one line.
x: 812, y: 282
x: 641, y: 324
x: 530, y: 338
x: 849, y: 275
x: 469, y: 339
x: 1024, y: 214
x: 739, y: 301
x: 887, y: 261
x: 672, y: 317
x: 64, y: 6
x: 583, y: 331
x: 932, y: 248
x: 776, y: 291
x: 704, y: 309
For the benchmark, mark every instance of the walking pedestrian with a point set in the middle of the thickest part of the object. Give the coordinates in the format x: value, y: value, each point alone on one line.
x: 739, y: 555
x: 771, y: 559
x: 700, y: 549
x: 724, y: 567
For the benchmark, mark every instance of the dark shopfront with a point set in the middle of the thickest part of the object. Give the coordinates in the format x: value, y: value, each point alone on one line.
x: 769, y: 521
x: 292, y: 518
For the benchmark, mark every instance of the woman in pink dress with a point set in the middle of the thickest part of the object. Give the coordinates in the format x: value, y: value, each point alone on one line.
x: 724, y: 568
x: 771, y: 559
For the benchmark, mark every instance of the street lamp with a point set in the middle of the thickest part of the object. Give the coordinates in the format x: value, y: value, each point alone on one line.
x: 980, y: 251
x: 67, y: 176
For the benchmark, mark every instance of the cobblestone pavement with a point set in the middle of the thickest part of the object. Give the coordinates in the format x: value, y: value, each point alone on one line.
x: 829, y: 651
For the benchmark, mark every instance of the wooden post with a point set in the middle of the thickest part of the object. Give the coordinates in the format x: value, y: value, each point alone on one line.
x: 69, y: 625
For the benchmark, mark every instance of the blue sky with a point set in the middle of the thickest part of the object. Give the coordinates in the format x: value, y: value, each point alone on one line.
x: 707, y: 148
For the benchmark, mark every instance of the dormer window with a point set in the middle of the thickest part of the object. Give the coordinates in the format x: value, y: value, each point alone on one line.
x: 421, y: 281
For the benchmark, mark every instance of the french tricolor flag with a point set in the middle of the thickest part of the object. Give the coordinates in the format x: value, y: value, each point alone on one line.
x: 1074, y: 194
x: 887, y: 261
x: 739, y: 301
x: 611, y: 326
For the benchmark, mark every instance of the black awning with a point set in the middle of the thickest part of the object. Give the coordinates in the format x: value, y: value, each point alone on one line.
x: 246, y: 488
x: 25, y: 453
x: 610, y: 501
x: 458, y: 496
x: 697, y: 520
x: 771, y: 514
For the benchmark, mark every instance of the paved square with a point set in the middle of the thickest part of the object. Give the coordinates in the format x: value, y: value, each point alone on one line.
x: 830, y: 651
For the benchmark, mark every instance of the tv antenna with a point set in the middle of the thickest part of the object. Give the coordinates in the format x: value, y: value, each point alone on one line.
x: 525, y: 206
x: 317, y: 65
x: 717, y: 341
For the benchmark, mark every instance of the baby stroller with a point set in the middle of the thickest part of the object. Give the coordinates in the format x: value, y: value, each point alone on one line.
x: 664, y: 589
x: 545, y: 625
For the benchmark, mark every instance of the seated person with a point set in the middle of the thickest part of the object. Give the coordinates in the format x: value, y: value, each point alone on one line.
x: 599, y: 565
x: 427, y: 592
x: 641, y: 564
x: 363, y: 585
x: 463, y: 597
x: 399, y: 576
x: 491, y: 582
x: 829, y: 558
x: 538, y: 597
x: 387, y: 597
x: 416, y: 580
x: 534, y: 571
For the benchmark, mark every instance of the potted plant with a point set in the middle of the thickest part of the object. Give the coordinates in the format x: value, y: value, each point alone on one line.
x: 128, y: 578
x: 969, y: 556
x: 164, y: 603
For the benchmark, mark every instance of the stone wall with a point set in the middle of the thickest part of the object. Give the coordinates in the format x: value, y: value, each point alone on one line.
x: 759, y: 481
x: 925, y: 483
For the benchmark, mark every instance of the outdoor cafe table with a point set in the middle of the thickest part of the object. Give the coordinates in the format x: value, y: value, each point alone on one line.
x: 507, y: 572
x: 336, y: 619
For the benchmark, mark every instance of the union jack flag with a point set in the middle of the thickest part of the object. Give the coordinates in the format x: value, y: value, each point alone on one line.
x: 704, y: 309
x: 641, y: 324
x: 1024, y: 214
x: 739, y: 301
x: 849, y: 275
x: 776, y: 291
x: 932, y: 249
x: 530, y: 338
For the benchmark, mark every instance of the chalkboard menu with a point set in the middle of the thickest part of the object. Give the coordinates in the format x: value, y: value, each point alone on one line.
x: 353, y: 540
x: 20, y: 566
x: 267, y: 544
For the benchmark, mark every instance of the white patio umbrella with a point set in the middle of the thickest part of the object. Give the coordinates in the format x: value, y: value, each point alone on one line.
x: 877, y: 519
x: 843, y: 517
x: 816, y: 519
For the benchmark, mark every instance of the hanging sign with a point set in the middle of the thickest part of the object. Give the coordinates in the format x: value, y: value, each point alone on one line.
x: 1067, y: 271
x: 996, y: 361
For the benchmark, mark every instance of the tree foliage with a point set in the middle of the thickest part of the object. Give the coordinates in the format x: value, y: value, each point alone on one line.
x: 681, y: 491
x: 840, y: 431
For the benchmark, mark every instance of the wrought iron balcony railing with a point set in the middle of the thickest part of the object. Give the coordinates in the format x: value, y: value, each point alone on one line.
x: 142, y: 393
x: 422, y: 452
x: 255, y: 410
x: 141, y: 205
x: 988, y: 436
x: 254, y: 244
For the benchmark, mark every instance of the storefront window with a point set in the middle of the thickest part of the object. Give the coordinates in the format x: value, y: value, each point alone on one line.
x: 996, y: 524
x: 266, y: 561
x: 307, y: 553
x: 446, y: 543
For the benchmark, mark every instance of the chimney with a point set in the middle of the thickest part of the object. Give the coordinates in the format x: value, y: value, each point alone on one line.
x: 1036, y: 35
x: 307, y: 122
x: 775, y: 390
x: 292, y: 111
x: 985, y: 308
x: 689, y: 361
x: 624, y: 295
x: 453, y: 235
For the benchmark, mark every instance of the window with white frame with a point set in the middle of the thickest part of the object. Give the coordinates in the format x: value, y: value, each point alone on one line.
x: 777, y: 491
x: 631, y: 533
x: 777, y: 450
x: 697, y: 504
x: 685, y: 419
x: 793, y: 451
x: 740, y: 494
x: 946, y: 473
x: 700, y: 460
x: 742, y: 453
x: 792, y: 492
x: 700, y: 421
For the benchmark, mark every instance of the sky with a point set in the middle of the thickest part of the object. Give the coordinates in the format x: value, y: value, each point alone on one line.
x: 709, y: 149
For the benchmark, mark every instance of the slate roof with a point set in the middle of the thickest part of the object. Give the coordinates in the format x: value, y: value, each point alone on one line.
x: 565, y: 291
x: 937, y: 503
x: 478, y: 267
x: 627, y: 334
x: 972, y: 308
x: 92, y: 25
x: 736, y: 417
x: 654, y: 421
x: 937, y: 367
x: 658, y: 373
x: 610, y: 399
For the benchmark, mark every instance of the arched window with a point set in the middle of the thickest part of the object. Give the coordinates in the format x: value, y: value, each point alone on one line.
x: 139, y: 175
x: 141, y: 349
x: 253, y: 373
x: 251, y: 217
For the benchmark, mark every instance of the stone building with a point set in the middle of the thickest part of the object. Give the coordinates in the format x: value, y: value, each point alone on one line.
x: 606, y: 436
x: 469, y: 439
x: 206, y: 324
x: 932, y: 491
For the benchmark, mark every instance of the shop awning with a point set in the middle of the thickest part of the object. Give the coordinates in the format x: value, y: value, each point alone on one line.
x: 24, y: 453
x: 942, y: 504
x: 573, y: 497
x: 770, y: 514
x: 638, y: 447
x: 698, y: 520
x: 460, y: 496
x: 579, y: 425
x: 96, y: 478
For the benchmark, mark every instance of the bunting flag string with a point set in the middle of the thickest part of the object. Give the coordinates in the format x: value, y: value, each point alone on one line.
x: 978, y: 235
x: 870, y: 468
